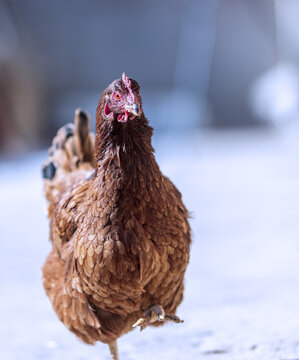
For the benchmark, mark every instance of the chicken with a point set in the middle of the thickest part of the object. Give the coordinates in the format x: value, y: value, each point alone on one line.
x: 119, y: 229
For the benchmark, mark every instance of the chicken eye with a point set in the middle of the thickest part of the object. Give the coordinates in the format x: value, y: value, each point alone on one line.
x: 117, y: 96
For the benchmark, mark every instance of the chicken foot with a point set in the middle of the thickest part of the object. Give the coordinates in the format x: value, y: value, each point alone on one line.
x: 153, y: 314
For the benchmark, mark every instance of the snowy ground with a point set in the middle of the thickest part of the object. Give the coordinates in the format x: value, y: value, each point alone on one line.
x: 242, y: 285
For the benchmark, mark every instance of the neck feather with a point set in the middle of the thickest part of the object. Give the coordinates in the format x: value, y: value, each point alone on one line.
x: 123, y: 147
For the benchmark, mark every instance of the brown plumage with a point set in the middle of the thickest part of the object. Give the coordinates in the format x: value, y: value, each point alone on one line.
x: 120, y: 236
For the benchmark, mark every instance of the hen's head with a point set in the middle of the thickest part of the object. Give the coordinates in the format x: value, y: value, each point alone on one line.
x: 121, y: 100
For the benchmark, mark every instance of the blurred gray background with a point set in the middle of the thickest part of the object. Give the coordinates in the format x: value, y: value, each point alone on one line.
x: 220, y: 85
x: 230, y: 63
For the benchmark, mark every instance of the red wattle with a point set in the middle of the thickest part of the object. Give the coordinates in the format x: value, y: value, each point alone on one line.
x: 107, y: 109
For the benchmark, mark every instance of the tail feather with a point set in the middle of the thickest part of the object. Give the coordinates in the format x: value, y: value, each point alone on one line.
x: 84, y: 140
x: 71, y: 158
x: 74, y: 144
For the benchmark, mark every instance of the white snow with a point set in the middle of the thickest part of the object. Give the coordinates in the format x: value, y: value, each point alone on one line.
x: 242, y: 293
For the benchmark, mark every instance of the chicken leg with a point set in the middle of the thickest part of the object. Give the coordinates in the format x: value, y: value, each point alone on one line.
x: 113, y: 350
x: 153, y: 314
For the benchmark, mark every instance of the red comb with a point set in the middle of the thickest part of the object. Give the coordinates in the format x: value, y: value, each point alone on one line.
x: 127, y: 83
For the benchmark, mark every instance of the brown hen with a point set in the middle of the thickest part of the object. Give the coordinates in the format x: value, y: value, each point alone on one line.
x: 119, y: 229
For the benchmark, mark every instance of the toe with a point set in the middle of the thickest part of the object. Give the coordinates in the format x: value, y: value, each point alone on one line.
x: 139, y: 322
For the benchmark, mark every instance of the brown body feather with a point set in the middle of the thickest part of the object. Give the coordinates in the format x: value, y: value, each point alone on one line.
x: 120, y: 238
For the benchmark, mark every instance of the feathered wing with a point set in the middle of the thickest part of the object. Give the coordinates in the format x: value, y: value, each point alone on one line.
x: 70, y: 305
x: 172, y: 236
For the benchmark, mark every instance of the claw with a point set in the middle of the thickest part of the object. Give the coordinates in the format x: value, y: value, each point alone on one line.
x: 173, y: 318
x: 153, y: 314
x: 142, y: 322
x: 161, y: 316
x: 139, y: 322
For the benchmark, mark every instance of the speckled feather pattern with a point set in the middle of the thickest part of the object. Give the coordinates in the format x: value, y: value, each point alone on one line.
x: 120, y: 239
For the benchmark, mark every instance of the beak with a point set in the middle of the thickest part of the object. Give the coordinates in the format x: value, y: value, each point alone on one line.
x: 133, y: 109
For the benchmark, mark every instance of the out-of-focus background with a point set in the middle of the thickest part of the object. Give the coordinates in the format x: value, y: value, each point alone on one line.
x: 220, y: 85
